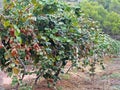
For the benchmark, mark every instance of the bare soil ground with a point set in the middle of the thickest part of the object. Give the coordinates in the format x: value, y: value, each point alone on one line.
x: 108, y: 79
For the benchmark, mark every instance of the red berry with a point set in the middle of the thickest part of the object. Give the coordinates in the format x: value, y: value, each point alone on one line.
x: 1, y: 45
x: 12, y: 32
x: 36, y: 46
x: 14, y: 52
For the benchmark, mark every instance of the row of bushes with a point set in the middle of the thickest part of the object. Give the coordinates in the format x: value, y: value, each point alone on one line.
x: 46, y: 34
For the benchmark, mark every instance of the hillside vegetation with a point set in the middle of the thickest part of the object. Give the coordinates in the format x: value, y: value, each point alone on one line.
x: 106, y: 12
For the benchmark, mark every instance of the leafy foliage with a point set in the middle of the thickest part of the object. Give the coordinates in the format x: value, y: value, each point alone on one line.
x: 46, y: 34
x: 106, y: 12
x: 110, y: 5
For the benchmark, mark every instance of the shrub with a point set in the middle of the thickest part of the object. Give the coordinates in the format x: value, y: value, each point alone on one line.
x: 46, y: 34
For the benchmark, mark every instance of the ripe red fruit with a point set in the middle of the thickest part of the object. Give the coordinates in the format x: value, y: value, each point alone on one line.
x: 1, y: 45
x: 30, y: 30
x: 24, y: 31
x: 36, y: 46
x: 27, y: 57
x: 28, y: 49
x: 14, y: 52
x: 12, y: 32
x: 18, y: 46
x: 50, y: 80
x: 11, y: 41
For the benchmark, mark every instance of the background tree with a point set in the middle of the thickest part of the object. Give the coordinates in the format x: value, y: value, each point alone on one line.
x: 105, y: 12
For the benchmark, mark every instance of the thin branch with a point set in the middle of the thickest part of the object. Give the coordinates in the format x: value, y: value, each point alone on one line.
x: 57, y: 73
x: 69, y: 68
x: 18, y: 84
x: 40, y: 74
x: 22, y: 63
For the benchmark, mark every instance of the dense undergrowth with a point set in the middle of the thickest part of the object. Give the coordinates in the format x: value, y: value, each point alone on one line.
x: 46, y: 34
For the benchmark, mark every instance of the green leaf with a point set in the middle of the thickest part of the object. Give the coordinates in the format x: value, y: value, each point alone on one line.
x: 34, y: 2
x: 6, y: 23
x: 17, y: 31
x: 14, y: 80
x: 19, y: 39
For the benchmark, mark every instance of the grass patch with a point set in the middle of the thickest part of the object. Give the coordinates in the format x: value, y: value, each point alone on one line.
x: 114, y: 75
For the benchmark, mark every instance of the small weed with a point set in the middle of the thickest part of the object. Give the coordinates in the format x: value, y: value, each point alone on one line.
x: 59, y: 88
x: 115, y: 75
x: 25, y: 88
x: 117, y: 87
x: 105, y: 77
x: 65, y: 76
x: 75, y: 70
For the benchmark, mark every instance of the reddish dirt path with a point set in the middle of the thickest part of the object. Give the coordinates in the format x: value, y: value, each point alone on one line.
x: 77, y: 80
x: 4, y: 80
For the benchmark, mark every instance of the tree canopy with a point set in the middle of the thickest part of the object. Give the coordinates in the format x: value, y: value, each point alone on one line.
x: 106, y: 12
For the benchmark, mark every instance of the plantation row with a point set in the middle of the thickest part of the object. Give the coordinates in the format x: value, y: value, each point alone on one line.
x: 46, y: 34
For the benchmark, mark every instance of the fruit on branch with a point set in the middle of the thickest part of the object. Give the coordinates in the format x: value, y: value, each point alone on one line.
x: 1, y: 45
x: 18, y: 45
x: 14, y: 52
x: 36, y: 46
x: 12, y: 32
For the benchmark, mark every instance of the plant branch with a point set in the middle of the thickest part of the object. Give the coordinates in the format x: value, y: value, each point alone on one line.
x: 40, y: 74
x: 22, y: 63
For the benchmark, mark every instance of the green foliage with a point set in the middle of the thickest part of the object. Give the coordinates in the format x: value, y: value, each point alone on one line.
x: 110, y: 45
x: 110, y: 5
x: 46, y: 34
x: 106, y: 12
